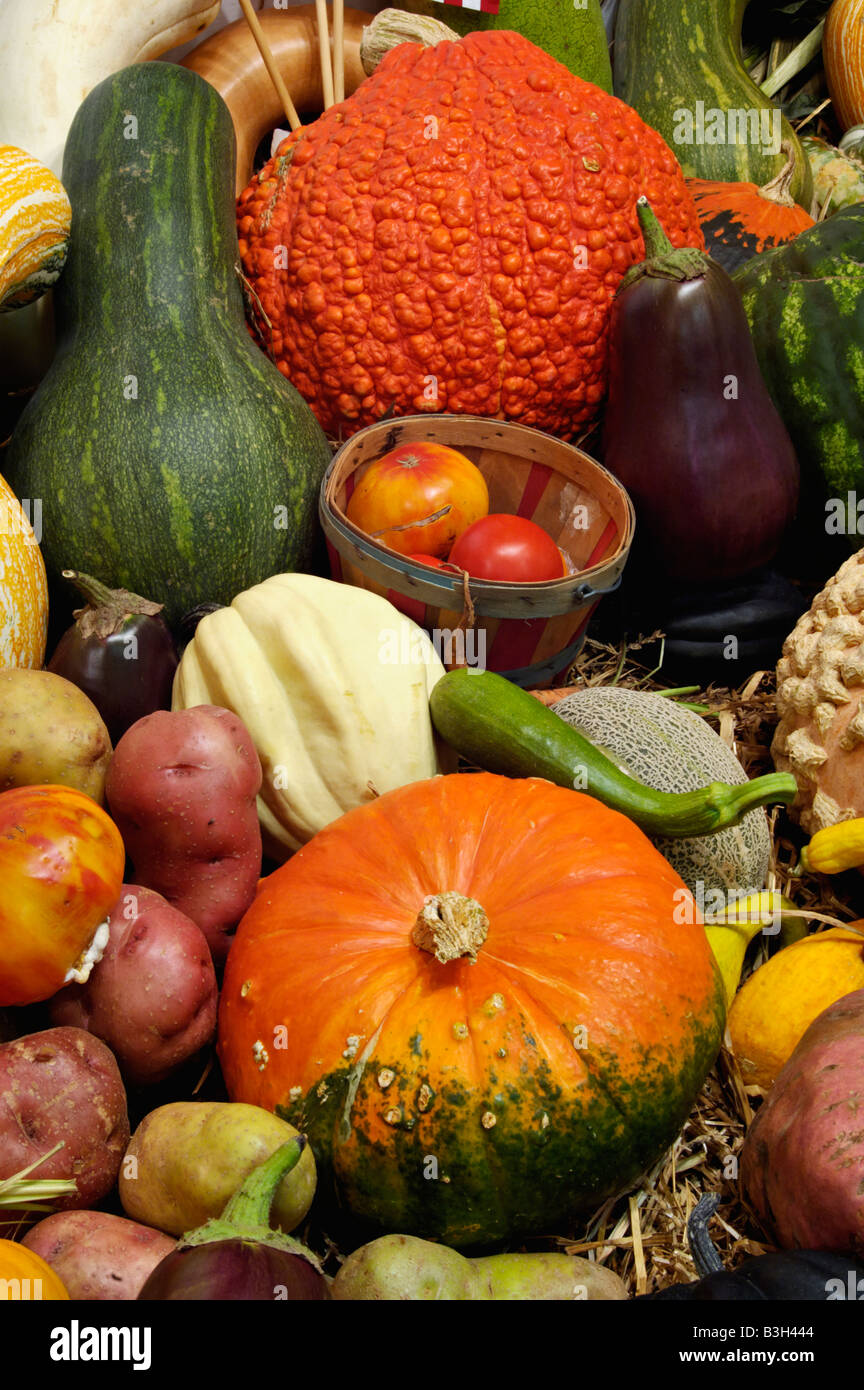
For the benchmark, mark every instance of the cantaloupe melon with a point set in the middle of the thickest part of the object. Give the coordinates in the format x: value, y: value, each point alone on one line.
x: 674, y: 750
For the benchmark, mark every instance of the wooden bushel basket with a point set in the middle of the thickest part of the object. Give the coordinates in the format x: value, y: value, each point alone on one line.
x: 530, y: 633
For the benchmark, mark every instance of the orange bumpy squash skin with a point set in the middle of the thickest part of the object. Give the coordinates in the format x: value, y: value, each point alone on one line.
x: 450, y: 238
x: 471, y: 1101
x: 802, y: 1164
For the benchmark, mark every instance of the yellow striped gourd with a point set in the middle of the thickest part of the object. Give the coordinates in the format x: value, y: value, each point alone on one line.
x: 23, y: 586
x: 35, y: 218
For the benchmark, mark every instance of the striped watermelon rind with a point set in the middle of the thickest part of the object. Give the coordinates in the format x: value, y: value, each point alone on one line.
x: 805, y: 305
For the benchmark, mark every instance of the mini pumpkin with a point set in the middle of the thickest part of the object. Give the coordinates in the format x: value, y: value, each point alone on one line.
x: 474, y: 998
x: 740, y: 220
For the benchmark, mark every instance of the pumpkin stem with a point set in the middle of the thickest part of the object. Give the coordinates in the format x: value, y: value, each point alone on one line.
x: 777, y: 189
x: 389, y: 28
x: 450, y: 925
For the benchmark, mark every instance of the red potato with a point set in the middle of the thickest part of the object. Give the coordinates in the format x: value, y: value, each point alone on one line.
x: 63, y: 1085
x: 98, y: 1256
x: 153, y: 996
x: 182, y: 787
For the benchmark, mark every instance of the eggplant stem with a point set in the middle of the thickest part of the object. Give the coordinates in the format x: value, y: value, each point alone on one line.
x: 251, y: 1203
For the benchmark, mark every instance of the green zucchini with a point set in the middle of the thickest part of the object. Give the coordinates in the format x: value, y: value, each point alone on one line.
x: 172, y: 457
x: 678, y: 62
x: 504, y: 729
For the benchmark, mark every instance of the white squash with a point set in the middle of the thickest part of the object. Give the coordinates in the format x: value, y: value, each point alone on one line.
x: 56, y: 51
x: 333, y: 685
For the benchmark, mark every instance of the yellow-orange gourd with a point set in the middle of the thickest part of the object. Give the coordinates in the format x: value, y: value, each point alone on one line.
x: 843, y: 55
x: 774, y: 1009
x: 35, y: 218
x: 26, y: 1277
x: 23, y: 585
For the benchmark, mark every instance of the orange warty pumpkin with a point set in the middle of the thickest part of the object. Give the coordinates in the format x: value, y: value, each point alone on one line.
x: 473, y: 1100
x: 450, y: 237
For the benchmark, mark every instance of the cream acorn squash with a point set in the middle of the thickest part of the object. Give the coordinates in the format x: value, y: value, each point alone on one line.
x: 333, y: 685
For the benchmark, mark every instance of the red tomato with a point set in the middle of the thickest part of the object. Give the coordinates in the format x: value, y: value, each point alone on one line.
x: 61, y: 871
x: 509, y: 548
x: 411, y: 484
x: 415, y: 608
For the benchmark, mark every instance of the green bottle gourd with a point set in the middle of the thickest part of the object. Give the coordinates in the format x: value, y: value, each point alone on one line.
x: 172, y: 458
x: 680, y: 63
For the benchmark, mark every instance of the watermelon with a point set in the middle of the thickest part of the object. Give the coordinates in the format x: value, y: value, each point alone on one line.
x: 805, y: 305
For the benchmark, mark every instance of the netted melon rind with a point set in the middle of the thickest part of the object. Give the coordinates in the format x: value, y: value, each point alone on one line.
x: 672, y: 749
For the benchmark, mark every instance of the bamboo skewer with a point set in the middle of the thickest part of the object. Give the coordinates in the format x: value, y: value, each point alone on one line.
x: 270, y: 64
x: 324, y: 47
x: 339, y: 49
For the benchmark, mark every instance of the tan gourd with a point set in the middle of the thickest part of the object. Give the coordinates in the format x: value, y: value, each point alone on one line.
x: 820, y: 684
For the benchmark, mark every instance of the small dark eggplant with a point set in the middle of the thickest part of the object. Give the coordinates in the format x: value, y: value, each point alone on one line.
x: 238, y: 1256
x: 119, y: 651
x: 784, y: 1275
x: 698, y: 621
x: 690, y: 429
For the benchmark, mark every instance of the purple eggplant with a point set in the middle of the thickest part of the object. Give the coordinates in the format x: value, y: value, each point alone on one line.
x: 690, y: 429
x: 238, y: 1256
x: 119, y: 651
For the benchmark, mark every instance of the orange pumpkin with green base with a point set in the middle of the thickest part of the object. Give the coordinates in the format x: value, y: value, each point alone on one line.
x: 476, y: 997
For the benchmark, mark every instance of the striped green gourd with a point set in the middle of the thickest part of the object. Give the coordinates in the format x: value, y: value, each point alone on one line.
x: 677, y: 62
x: 805, y: 305
x: 172, y: 458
